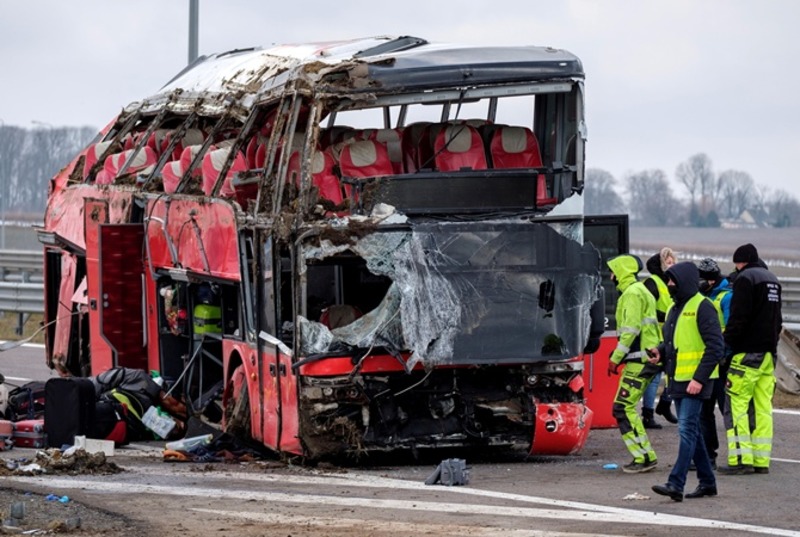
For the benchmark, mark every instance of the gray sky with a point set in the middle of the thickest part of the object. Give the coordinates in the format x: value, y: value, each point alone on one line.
x: 664, y: 79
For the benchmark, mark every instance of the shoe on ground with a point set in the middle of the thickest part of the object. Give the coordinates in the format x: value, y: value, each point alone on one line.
x: 739, y: 469
x: 668, y: 490
x: 639, y: 467
x: 651, y: 424
x: 701, y: 491
x: 761, y: 470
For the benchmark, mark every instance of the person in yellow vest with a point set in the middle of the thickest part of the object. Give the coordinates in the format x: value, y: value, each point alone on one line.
x: 692, y: 350
x: 638, y: 330
x: 752, y: 334
x: 656, y: 283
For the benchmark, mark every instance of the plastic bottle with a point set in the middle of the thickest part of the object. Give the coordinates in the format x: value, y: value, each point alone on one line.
x: 187, y: 444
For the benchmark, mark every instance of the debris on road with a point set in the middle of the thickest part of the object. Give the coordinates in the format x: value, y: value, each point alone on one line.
x: 53, y: 461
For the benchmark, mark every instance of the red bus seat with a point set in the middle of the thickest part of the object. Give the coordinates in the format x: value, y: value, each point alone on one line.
x: 171, y: 175
x: 391, y: 139
x: 322, y: 175
x: 514, y: 147
x: 143, y: 162
x: 93, y: 154
x: 458, y: 147
x: 365, y: 158
x: 409, y: 145
x: 213, y: 161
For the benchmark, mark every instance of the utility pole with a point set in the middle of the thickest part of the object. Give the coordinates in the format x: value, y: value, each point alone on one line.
x: 194, y: 18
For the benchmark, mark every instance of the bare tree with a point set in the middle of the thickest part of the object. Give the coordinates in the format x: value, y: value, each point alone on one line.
x: 650, y: 199
x: 600, y: 195
x: 697, y: 175
x: 736, y: 188
x: 784, y: 209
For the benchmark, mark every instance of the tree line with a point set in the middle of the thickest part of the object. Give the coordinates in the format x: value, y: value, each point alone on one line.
x: 710, y: 200
x: 29, y: 158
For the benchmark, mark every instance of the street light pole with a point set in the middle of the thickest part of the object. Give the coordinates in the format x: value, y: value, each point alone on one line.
x: 194, y: 18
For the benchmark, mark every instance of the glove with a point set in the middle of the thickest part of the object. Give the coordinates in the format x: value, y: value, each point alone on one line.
x: 613, y: 369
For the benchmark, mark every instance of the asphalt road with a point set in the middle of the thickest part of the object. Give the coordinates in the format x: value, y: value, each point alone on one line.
x: 572, y: 495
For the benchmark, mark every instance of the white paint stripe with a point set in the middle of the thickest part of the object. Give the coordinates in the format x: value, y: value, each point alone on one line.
x: 614, y: 515
x: 786, y: 411
x: 18, y: 379
x: 784, y: 460
x: 401, y: 528
x: 30, y: 345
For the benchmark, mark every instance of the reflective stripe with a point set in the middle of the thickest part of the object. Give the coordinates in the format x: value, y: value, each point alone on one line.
x: 763, y: 441
x: 742, y: 438
x: 759, y: 453
x: 634, y: 356
x: 742, y: 451
x: 649, y: 320
x: 629, y: 330
x: 622, y: 348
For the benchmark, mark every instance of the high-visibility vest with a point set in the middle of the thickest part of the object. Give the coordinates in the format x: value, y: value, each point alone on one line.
x: 718, y: 305
x: 664, y: 300
x: 688, y: 343
x: 207, y: 319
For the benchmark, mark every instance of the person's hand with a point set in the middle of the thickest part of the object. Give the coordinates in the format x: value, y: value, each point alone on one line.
x: 613, y: 369
x: 694, y: 387
x: 653, y: 356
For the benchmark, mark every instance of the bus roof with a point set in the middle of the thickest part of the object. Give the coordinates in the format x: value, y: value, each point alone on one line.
x: 376, y: 65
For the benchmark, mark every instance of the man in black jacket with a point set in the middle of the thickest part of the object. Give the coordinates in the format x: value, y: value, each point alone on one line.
x: 693, y: 348
x: 752, y: 335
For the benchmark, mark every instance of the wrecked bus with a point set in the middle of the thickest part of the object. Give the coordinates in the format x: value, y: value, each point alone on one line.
x: 341, y: 248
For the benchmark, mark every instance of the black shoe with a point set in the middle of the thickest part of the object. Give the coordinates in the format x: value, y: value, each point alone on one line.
x: 664, y: 409
x: 701, y: 491
x: 739, y: 469
x: 668, y: 490
x: 648, y: 420
x: 639, y: 467
x: 761, y: 470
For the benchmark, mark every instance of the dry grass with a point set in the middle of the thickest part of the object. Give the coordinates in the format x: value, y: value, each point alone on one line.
x: 9, y: 322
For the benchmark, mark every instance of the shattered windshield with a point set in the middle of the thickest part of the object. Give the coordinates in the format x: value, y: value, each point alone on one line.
x: 469, y: 293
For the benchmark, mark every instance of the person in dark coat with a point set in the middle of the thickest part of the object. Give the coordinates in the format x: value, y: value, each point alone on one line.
x: 692, y: 349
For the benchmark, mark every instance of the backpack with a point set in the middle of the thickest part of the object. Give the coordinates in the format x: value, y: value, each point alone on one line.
x: 132, y: 411
x: 26, y: 402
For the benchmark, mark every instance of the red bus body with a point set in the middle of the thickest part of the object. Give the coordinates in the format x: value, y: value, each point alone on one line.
x: 382, y: 283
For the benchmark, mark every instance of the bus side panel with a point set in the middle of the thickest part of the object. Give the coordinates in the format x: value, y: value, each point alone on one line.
x: 151, y: 324
x: 290, y: 442
x: 95, y: 214
x: 63, y: 315
x: 270, y: 399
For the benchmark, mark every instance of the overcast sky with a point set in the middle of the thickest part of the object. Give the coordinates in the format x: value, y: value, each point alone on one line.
x: 664, y: 79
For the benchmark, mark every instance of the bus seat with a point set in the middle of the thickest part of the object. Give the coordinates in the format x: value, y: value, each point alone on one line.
x: 514, y: 147
x: 458, y: 147
x: 93, y: 154
x: 322, y: 175
x: 426, y: 154
x: 143, y: 162
x: 339, y: 315
x: 187, y: 156
x: 365, y: 158
x: 409, y: 144
x: 159, y: 140
x: 213, y: 161
x: 391, y: 139
x: 171, y: 175
x: 190, y: 137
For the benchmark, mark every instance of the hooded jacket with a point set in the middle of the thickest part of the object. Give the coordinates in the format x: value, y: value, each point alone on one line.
x: 755, y: 320
x: 687, y: 278
x: 654, y: 268
x: 636, y: 312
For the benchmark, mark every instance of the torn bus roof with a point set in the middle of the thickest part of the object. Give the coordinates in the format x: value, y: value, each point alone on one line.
x: 394, y: 63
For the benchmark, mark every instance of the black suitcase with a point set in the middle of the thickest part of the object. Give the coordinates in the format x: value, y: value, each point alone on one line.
x: 70, y: 410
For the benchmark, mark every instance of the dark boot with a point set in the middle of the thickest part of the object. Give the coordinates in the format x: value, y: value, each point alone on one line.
x: 664, y: 409
x: 648, y: 420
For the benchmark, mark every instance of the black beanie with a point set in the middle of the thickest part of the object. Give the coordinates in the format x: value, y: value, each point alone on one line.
x: 745, y: 253
x: 709, y: 270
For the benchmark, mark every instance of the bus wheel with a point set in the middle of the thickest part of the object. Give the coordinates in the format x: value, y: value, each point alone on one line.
x: 237, y: 407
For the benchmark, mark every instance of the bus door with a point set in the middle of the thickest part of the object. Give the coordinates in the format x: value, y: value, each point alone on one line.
x: 269, y: 350
x: 115, y: 291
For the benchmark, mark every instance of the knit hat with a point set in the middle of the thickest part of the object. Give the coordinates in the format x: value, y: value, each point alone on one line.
x: 709, y: 270
x: 745, y: 253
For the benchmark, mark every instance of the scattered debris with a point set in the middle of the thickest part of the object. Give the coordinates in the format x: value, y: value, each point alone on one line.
x: 450, y: 472
x: 53, y: 461
x: 636, y: 496
x: 610, y: 466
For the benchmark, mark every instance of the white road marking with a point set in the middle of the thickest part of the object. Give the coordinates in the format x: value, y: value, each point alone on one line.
x: 399, y: 528
x: 587, y: 512
x: 17, y: 380
x: 786, y: 411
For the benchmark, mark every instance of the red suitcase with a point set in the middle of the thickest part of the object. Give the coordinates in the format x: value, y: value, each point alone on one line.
x: 6, y: 432
x: 30, y: 434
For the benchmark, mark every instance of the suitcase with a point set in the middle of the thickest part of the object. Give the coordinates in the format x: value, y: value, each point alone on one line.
x: 30, y: 434
x: 6, y: 432
x: 70, y: 409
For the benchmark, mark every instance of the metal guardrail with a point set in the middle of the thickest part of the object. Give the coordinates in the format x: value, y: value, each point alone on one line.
x: 21, y: 290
